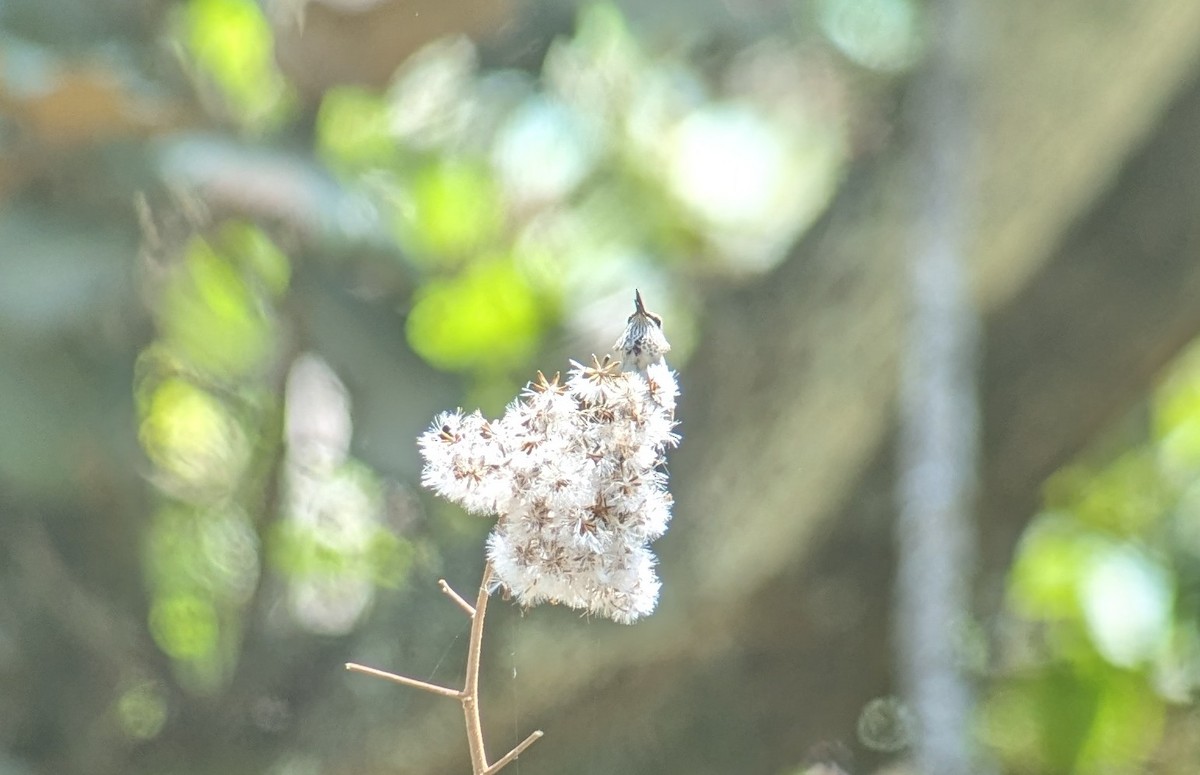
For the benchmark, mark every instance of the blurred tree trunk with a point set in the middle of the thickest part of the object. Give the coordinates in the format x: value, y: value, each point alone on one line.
x: 938, y: 451
x: 774, y: 629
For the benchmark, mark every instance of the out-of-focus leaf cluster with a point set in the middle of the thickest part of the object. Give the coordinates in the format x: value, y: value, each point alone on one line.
x: 524, y: 201
x: 1101, y: 645
x: 207, y: 410
x: 230, y: 449
x: 227, y: 44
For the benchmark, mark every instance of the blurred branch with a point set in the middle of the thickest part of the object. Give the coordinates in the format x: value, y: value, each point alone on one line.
x: 45, y: 581
x: 240, y: 180
x: 938, y: 450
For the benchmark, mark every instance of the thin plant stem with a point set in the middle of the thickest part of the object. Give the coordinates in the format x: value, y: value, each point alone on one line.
x: 514, y: 753
x: 469, y: 695
x: 457, y: 598
x: 404, y: 680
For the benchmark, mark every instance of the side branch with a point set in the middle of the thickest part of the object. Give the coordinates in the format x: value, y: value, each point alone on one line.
x: 354, y: 667
x: 514, y: 753
x: 469, y: 695
x: 457, y: 598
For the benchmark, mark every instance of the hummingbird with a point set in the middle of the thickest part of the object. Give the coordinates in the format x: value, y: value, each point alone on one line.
x: 642, y: 344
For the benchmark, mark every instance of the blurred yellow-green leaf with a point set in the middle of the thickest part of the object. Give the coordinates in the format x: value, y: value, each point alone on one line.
x: 211, y: 318
x: 303, y: 551
x: 455, y: 211
x: 1177, y: 419
x: 353, y: 132
x: 185, y: 626
x: 191, y: 436
x: 142, y: 710
x: 1089, y: 720
x: 249, y: 245
x: 1124, y: 497
x: 388, y: 558
x: 1050, y: 563
x: 210, y: 552
x: 1127, y: 724
x: 1041, y: 722
x: 231, y: 42
x: 486, y: 317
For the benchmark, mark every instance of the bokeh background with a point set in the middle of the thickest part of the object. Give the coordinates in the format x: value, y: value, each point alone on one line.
x: 248, y: 249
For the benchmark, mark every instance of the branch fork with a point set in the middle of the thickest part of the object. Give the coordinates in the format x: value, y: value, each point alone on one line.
x: 469, y: 694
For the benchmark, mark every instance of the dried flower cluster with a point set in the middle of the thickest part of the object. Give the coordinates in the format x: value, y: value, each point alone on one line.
x: 574, y: 473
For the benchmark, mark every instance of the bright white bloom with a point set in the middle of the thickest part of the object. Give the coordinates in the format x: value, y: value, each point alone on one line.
x: 464, y: 462
x: 574, y: 473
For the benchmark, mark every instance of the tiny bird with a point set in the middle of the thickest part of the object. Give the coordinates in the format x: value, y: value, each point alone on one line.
x: 643, y: 343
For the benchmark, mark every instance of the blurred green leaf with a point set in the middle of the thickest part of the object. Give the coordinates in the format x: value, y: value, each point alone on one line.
x: 185, y: 626
x: 353, y: 131
x: 455, y: 212
x: 1177, y: 419
x: 1082, y: 719
x: 201, y: 568
x: 190, y: 435
x: 1126, y: 726
x: 485, y: 318
x: 389, y: 558
x: 250, y: 246
x: 211, y: 318
x: 142, y: 710
x: 231, y: 42
x: 209, y: 552
x: 1125, y: 497
x: 301, y: 551
x: 1050, y: 564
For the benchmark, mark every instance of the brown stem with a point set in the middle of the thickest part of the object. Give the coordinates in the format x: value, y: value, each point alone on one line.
x: 470, y: 692
x: 404, y: 680
x: 514, y: 753
x: 457, y: 598
x: 469, y: 696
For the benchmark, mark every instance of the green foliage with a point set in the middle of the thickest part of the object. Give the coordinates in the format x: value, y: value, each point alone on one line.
x: 511, y: 199
x: 191, y: 437
x: 1045, y: 577
x: 142, y: 710
x: 230, y: 43
x: 483, y: 318
x: 455, y: 211
x: 209, y: 425
x: 185, y: 627
x: 514, y: 203
x: 202, y: 567
x: 342, y: 546
x: 210, y: 318
x: 1080, y: 717
x: 382, y: 557
x: 1104, y: 595
x: 354, y: 131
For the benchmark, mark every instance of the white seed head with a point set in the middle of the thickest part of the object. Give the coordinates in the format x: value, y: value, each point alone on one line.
x: 573, y: 472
